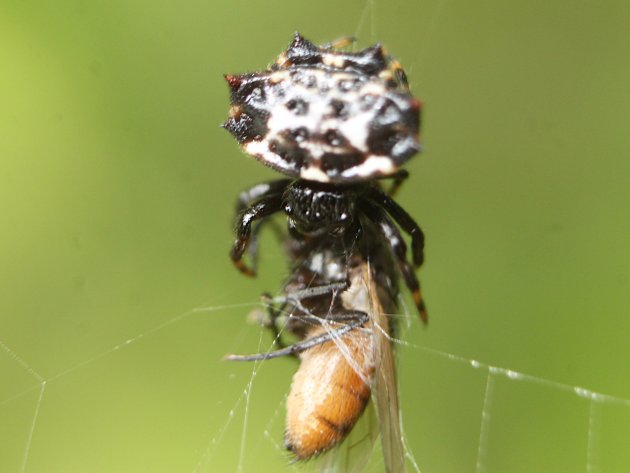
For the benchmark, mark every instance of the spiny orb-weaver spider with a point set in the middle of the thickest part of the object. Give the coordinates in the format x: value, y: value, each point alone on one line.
x: 336, y: 123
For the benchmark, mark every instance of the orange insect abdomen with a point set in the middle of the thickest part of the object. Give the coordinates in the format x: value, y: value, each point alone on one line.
x: 329, y: 392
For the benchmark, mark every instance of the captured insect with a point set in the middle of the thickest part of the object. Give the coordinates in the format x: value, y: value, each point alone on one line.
x: 337, y: 124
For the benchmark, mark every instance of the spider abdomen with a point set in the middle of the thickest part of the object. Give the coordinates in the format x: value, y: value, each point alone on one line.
x: 326, y: 115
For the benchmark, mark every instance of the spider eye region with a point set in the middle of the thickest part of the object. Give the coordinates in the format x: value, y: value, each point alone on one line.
x: 324, y: 115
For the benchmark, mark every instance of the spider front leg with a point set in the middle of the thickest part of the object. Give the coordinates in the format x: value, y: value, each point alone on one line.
x: 398, y: 178
x: 403, y: 219
x: 264, y: 189
x: 263, y: 208
x: 246, y: 198
x: 392, y: 235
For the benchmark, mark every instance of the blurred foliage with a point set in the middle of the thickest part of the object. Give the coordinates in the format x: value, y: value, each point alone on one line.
x: 116, y: 199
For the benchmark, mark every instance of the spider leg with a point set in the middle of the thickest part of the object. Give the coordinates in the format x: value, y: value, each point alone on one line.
x: 357, y: 319
x: 247, y: 198
x: 398, y: 178
x: 264, y: 207
x: 392, y: 235
x: 402, y: 218
x: 252, y: 249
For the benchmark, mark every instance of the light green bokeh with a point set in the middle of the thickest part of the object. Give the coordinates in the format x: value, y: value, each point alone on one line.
x: 116, y: 192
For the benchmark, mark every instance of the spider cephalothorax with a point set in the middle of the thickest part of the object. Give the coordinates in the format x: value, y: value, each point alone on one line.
x: 314, y: 209
x: 325, y: 115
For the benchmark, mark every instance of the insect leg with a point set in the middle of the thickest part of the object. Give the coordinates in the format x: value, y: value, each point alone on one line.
x: 315, y: 291
x: 357, y: 319
x: 279, y: 305
x: 399, y: 73
x: 340, y: 43
x: 274, y: 313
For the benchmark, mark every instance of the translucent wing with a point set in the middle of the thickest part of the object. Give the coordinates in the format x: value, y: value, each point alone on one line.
x: 356, y: 453
x: 357, y: 450
x: 384, y: 386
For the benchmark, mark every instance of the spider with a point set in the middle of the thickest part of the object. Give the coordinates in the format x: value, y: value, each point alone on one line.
x: 336, y: 123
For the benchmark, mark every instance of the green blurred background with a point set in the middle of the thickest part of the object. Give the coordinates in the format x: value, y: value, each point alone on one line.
x: 116, y: 193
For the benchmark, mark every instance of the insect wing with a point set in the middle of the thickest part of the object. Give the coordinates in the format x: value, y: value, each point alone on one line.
x: 357, y: 451
x: 384, y: 387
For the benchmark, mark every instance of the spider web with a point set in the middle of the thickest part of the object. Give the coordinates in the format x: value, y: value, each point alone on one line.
x: 591, y: 424
x: 598, y: 414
